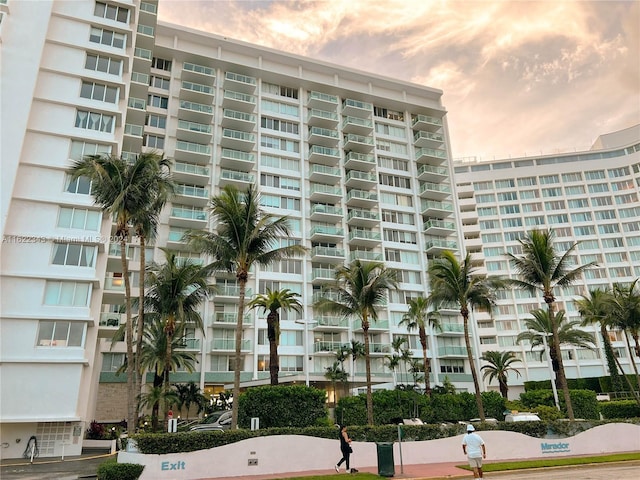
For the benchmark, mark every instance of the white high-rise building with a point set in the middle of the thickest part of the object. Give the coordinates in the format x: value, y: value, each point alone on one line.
x: 359, y: 162
x: 591, y: 197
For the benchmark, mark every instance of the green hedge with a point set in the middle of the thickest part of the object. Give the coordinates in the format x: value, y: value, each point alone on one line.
x: 119, y: 471
x: 584, y: 402
x: 597, y: 384
x: 620, y: 409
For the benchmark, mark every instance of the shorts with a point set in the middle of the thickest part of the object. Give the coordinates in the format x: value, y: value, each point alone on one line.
x: 475, y: 462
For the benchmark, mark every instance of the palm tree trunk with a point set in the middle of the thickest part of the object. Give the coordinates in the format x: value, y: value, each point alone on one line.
x: 425, y: 360
x: 635, y: 394
x: 504, y: 389
x: 274, y: 366
x: 140, y: 324
x: 633, y: 363
x: 131, y: 392
x: 562, y: 379
x: 367, y: 365
x: 242, y: 283
x: 474, y: 373
x: 616, y: 381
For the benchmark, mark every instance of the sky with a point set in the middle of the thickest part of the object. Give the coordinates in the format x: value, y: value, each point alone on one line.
x: 520, y: 78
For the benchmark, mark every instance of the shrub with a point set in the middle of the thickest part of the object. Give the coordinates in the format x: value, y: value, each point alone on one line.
x: 547, y: 413
x: 584, y: 402
x: 95, y: 431
x: 620, y: 409
x: 119, y: 471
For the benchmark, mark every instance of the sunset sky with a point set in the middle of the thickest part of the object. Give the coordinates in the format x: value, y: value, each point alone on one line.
x: 519, y: 77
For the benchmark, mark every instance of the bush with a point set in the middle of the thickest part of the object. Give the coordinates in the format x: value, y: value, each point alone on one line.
x: 620, y: 409
x: 547, y: 413
x: 584, y: 402
x: 119, y: 471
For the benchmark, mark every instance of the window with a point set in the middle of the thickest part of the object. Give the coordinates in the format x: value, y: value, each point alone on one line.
x: 601, y: 201
x: 73, y: 255
x: 79, y: 218
x: 594, y: 175
x: 489, y: 224
x: 111, y: 362
x: 529, y: 194
x: 275, y: 201
x: 609, y: 228
x: 159, y: 82
x: 493, y: 251
x: 629, y: 212
x: 280, y: 143
x: 624, y: 199
x: 408, y: 276
x: 390, y: 130
x: 581, y: 217
x: 279, y: 125
x: 451, y: 366
x: 100, y: 92
x: 574, y: 190
x: 617, y: 272
x: 552, y: 192
x: 400, y: 236
x: 153, y: 141
x: 389, y: 114
x: 111, y: 12
x: 280, y: 162
x: 513, y: 236
x: 70, y: 294
x: 393, y: 163
x: 572, y: 177
x: 578, y: 203
x: 161, y: 64
x: 157, y: 121
x: 107, y: 37
x: 616, y: 257
x: 555, y: 219
x: 511, y: 222
x: 509, y: 209
x: 80, y: 149
x: 554, y: 205
x: 527, y: 181
x: 393, y: 147
x: 507, y: 196
x: 619, y: 172
x: 486, y: 198
x: 398, y: 217
x: 60, y: 334
x: 280, y: 108
x: 396, y: 199
x: 584, y: 231
x: 158, y: 101
x: 279, y: 182
x: 598, y: 188
x: 394, y: 181
x: 274, y: 89
x: 494, y: 266
x: 487, y: 211
x: 94, y: 121
x: 393, y: 255
x: 508, y: 183
x: 507, y: 341
x: 549, y: 179
x: 102, y: 63
x: 80, y: 186
x: 479, y: 186
x: 631, y: 227
x: 605, y: 215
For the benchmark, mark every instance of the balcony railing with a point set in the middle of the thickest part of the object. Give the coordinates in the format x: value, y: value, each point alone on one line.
x: 238, y: 155
x: 192, y: 67
x: 190, y: 168
x: 328, y: 209
x: 191, y: 191
x: 236, y: 176
x: 194, y: 126
x: 327, y: 252
x: 229, y: 344
x: 364, y: 214
x: 188, y: 213
x: 365, y: 255
x: 193, y: 147
x: 236, y: 77
x: 230, y: 318
x: 197, y: 87
x: 326, y: 230
x: 196, y: 107
x: 325, y: 97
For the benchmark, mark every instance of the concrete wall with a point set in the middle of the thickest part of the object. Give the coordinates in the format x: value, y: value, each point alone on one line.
x: 290, y: 453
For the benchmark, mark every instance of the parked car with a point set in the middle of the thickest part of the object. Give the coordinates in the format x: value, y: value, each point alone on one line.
x: 206, y: 427
x: 521, y: 417
x: 215, y: 422
x: 487, y: 420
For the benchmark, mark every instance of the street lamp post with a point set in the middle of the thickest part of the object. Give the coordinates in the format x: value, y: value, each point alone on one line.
x: 305, y: 342
x: 551, y: 374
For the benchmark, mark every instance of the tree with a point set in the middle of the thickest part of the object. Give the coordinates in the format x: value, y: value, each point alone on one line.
x: 418, y: 317
x: 499, y: 366
x: 190, y: 394
x: 124, y: 190
x: 245, y: 236
x: 454, y: 283
x: 399, y: 356
x: 596, y: 309
x: 356, y: 350
x: 361, y: 288
x: 335, y: 373
x: 625, y: 311
x: 153, y: 398
x: 272, y: 302
x: 176, y: 291
x: 542, y: 269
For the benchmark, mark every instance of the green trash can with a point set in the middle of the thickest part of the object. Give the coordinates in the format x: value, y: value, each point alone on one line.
x: 386, y: 467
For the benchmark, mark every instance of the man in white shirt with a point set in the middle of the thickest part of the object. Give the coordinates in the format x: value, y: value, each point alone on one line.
x: 473, y: 447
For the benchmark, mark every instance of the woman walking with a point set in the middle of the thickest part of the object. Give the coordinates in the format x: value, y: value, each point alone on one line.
x: 345, y: 448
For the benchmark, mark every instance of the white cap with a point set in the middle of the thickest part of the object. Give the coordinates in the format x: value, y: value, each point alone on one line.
x: 470, y: 428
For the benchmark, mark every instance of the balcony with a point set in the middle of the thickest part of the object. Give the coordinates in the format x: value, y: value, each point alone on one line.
x: 439, y: 227
x: 428, y: 139
x: 136, y: 131
x: 426, y: 123
x: 324, y: 155
x: 365, y: 256
x: 323, y: 136
x: 359, y: 161
x: 356, y: 108
x: 137, y: 110
x: 198, y: 73
x: 324, y: 193
x: 432, y: 208
x: 326, y: 322
x: 221, y: 319
x: 451, y: 329
x: 239, y: 101
x: 364, y: 237
x: 237, y: 139
x: 361, y: 198
x: 322, y: 118
x: 195, y: 132
x: 196, y: 92
x: 327, y: 255
x: 242, y: 180
x: 325, y: 213
x: 229, y: 345
x: 237, y: 160
x: 322, y: 275
x: 379, y: 348
x: 190, y: 344
x: 230, y: 293
x: 320, y: 233
x: 324, y: 293
x: 109, y: 323
x: 176, y: 240
x: 361, y: 180
x: 193, y: 111
x: 323, y: 173
x: 139, y: 84
x: 357, y: 125
x: 188, y: 217
x: 238, y: 120
x: 435, y: 246
x: 432, y: 173
x: 193, y: 152
x: 363, y: 218
x: 191, y: 194
x: 188, y: 172
x: 114, y: 284
x: 435, y: 191
x: 358, y: 143
x: 240, y: 83
x: 452, y: 351
x: 322, y: 101
x: 380, y: 324
x: 326, y: 347
x: 430, y: 156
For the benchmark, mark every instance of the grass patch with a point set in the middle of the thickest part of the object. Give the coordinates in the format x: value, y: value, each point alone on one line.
x: 555, y: 462
x: 336, y: 476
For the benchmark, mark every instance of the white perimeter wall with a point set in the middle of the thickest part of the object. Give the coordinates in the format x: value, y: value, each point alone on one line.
x: 291, y: 453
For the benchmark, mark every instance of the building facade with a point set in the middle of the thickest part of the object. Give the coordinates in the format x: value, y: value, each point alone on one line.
x: 360, y: 163
x: 590, y: 197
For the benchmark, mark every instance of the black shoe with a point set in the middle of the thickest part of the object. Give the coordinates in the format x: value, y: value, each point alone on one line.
x: 354, y: 470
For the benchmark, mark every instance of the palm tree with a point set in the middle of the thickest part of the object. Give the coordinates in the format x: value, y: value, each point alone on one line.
x: 416, y: 369
x: 399, y: 355
x: 124, y: 190
x: 190, y: 394
x: 245, y: 236
x: 596, y: 308
x: 153, y: 398
x: 356, y: 350
x: 361, y: 289
x: 418, y: 317
x: 454, y: 283
x: 335, y: 373
x: 542, y: 269
x: 499, y: 366
x: 175, y: 294
x: 392, y: 363
x: 625, y: 310
x: 272, y: 302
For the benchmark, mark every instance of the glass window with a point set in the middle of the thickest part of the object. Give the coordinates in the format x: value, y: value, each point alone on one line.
x: 94, y: 121
x: 102, y: 63
x: 73, y: 255
x: 80, y: 149
x: 107, y: 37
x: 72, y: 294
x: 60, y: 334
x: 79, y: 218
x: 100, y: 92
